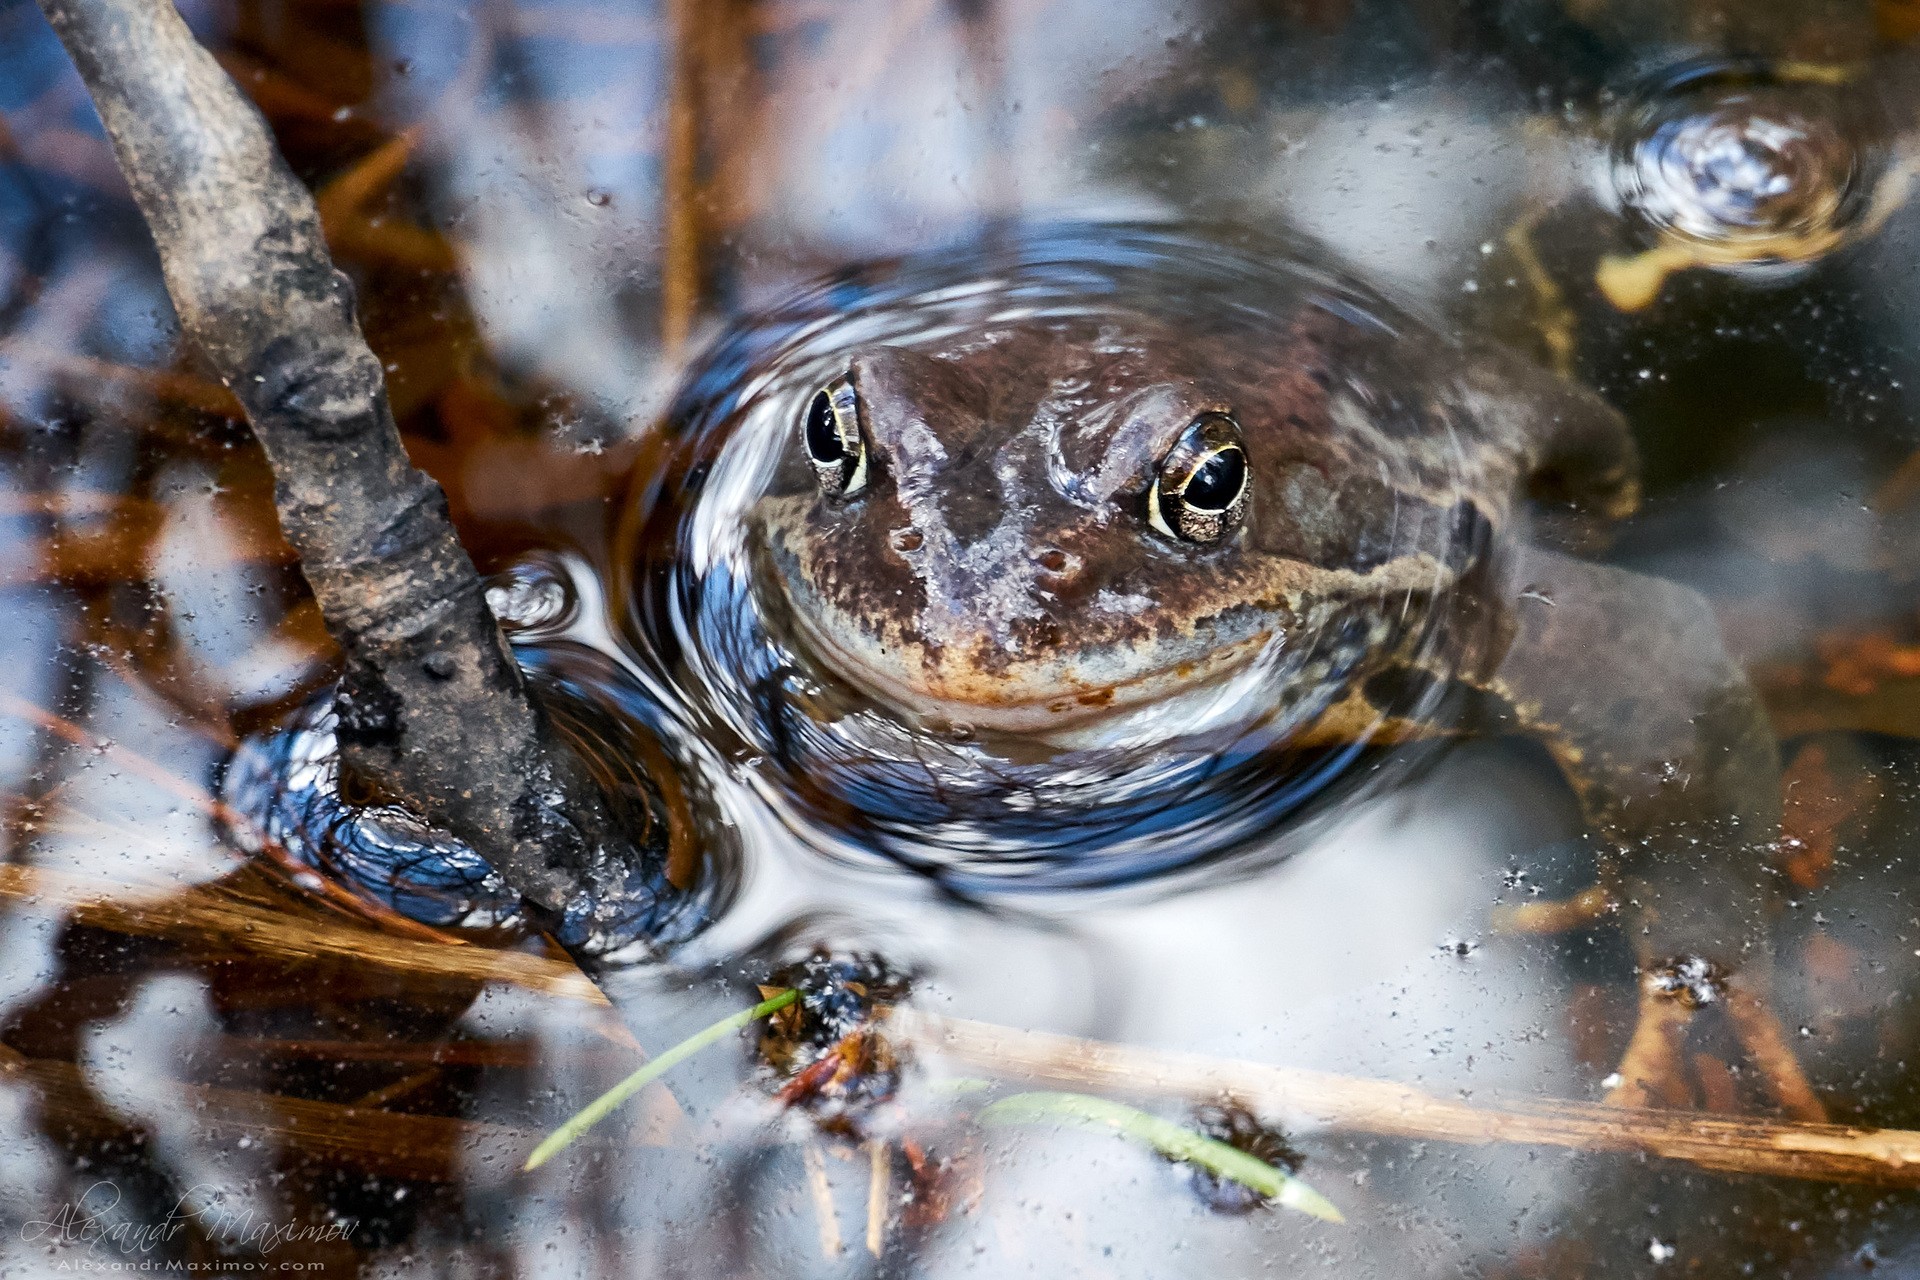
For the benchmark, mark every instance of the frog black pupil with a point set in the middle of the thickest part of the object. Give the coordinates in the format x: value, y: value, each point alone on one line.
x: 823, y: 435
x: 1216, y: 482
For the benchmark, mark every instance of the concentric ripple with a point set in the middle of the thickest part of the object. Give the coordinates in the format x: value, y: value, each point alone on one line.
x: 1747, y: 162
x: 284, y: 799
x: 1143, y: 792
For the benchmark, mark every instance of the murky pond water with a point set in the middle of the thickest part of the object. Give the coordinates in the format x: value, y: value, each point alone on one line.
x: 652, y: 287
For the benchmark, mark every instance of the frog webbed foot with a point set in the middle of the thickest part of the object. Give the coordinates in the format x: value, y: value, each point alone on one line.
x: 1627, y: 682
x: 1655, y: 1069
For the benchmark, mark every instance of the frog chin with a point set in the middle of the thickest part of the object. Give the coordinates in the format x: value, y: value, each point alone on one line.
x: 1051, y: 701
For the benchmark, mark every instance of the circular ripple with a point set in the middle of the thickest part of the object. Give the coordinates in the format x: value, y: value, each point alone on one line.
x: 284, y: 799
x: 1167, y: 786
x: 1745, y: 161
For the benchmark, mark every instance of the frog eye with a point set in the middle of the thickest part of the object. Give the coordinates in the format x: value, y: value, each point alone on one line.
x: 1200, y: 492
x: 835, y: 443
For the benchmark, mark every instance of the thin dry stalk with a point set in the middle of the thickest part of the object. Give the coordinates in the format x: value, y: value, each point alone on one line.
x: 879, y: 1192
x: 376, y: 1099
x: 1314, y: 1099
x: 343, y: 201
x: 1308, y: 1099
x: 680, y: 271
x: 207, y: 920
x: 712, y: 121
x: 820, y: 1192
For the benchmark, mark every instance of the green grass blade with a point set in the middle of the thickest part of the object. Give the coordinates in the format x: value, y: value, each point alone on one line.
x: 1171, y: 1140
x: 601, y: 1107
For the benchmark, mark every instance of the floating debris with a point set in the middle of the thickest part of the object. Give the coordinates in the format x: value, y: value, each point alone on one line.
x: 1169, y: 1139
x: 824, y: 1048
x: 1229, y: 1122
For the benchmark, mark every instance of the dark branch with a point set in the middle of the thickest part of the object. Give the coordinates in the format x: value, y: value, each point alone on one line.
x: 434, y: 712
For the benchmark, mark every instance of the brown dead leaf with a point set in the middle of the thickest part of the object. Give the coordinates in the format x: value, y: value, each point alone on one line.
x: 1815, y: 804
x: 939, y: 1186
x: 1858, y: 663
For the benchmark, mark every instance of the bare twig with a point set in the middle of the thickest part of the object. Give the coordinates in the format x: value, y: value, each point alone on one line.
x: 433, y: 710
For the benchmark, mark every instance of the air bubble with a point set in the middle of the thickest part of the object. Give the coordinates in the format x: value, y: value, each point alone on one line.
x: 535, y: 593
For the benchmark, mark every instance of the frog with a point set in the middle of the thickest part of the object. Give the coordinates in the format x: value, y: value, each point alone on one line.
x: 1091, y: 498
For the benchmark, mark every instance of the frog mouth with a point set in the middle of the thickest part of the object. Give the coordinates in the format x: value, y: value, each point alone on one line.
x: 1042, y: 699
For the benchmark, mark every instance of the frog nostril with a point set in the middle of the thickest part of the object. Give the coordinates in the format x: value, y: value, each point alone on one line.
x: 1054, y: 560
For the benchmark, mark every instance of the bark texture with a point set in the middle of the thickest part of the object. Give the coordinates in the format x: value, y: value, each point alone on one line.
x: 434, y: 711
